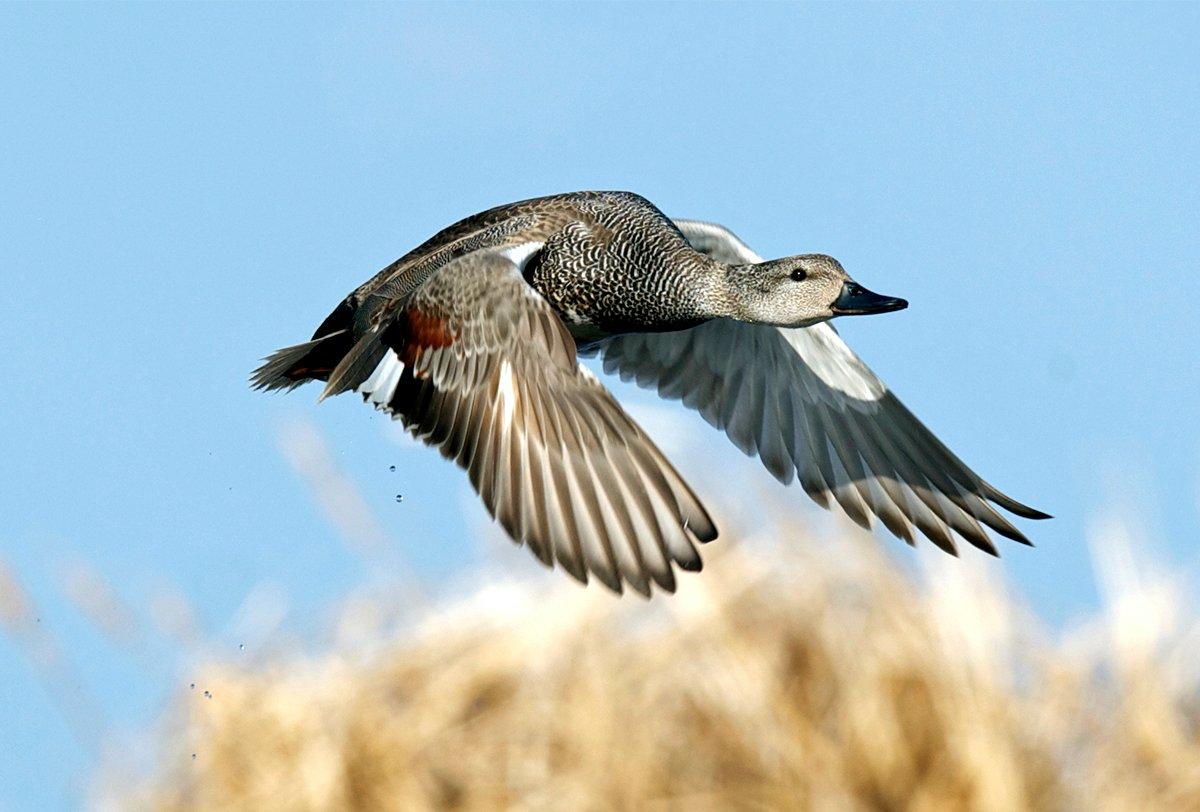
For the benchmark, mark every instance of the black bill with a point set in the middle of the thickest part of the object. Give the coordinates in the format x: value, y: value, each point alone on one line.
x: 855, y: 300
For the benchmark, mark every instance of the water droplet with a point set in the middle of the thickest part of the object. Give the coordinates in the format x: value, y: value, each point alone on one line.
x: 193, y: 756
x: 208, y: 695
x: 192, y: 686
x: 241, y: 646
x: 399, y: 498
x: 391, y: 468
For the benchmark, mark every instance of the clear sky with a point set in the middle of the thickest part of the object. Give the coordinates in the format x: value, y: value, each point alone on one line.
x: 183, y: 189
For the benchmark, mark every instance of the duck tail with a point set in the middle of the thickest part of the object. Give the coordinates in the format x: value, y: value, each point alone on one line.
x: 313, y: 360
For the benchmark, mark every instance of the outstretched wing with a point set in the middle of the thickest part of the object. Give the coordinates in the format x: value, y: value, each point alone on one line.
x: 476, y: 363
x: 802, y: 401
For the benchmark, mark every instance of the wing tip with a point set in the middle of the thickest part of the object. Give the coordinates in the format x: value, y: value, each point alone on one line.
x: 1024, y: 511
x: 704, y: 531
x: 1013, y: 506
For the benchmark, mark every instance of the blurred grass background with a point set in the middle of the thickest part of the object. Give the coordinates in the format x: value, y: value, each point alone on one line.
x: 807, y: 675
x: 801, y: 669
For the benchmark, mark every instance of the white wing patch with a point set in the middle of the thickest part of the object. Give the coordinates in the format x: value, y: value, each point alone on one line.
x: 520, y: 253
x: 379, y: 388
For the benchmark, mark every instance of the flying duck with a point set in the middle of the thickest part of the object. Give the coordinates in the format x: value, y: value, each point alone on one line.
x: 472, y: 340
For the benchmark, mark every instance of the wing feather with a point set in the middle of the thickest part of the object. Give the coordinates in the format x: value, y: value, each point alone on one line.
x: 476, y: 363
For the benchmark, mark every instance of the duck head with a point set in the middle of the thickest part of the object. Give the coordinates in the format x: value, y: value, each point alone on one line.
x: 799, y: 291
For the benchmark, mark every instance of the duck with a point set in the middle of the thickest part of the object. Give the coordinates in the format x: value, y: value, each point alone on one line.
x: 474, y: 340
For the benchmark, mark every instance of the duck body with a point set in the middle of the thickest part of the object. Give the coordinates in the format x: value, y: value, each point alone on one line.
x: 471, y: 339
x: 606, y: 262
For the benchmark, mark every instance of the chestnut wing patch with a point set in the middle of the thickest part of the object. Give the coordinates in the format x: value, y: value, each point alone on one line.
x: 416, y: 330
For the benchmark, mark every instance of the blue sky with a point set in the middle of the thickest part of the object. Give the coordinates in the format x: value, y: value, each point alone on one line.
x: 185, y: 188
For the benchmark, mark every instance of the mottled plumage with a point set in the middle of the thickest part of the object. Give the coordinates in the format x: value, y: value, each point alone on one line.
x: 471, y: 339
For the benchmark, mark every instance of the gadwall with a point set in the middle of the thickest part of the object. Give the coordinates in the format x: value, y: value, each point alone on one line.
x: 471, y: 339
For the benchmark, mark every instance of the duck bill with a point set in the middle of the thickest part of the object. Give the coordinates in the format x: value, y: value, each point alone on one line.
x: 855, y: 300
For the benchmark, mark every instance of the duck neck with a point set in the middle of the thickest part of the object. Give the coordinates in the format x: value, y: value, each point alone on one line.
x: 705, y: 290
x: 729, y: 288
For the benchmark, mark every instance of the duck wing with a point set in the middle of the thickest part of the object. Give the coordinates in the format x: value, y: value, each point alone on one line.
x: 476, y: 363
x: 802, y: 401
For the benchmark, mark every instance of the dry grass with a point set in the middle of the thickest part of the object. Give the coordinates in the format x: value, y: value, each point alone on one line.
x: 824, y: 680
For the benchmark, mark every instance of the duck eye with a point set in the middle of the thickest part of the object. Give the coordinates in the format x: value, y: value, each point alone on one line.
x: 799, y: 275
